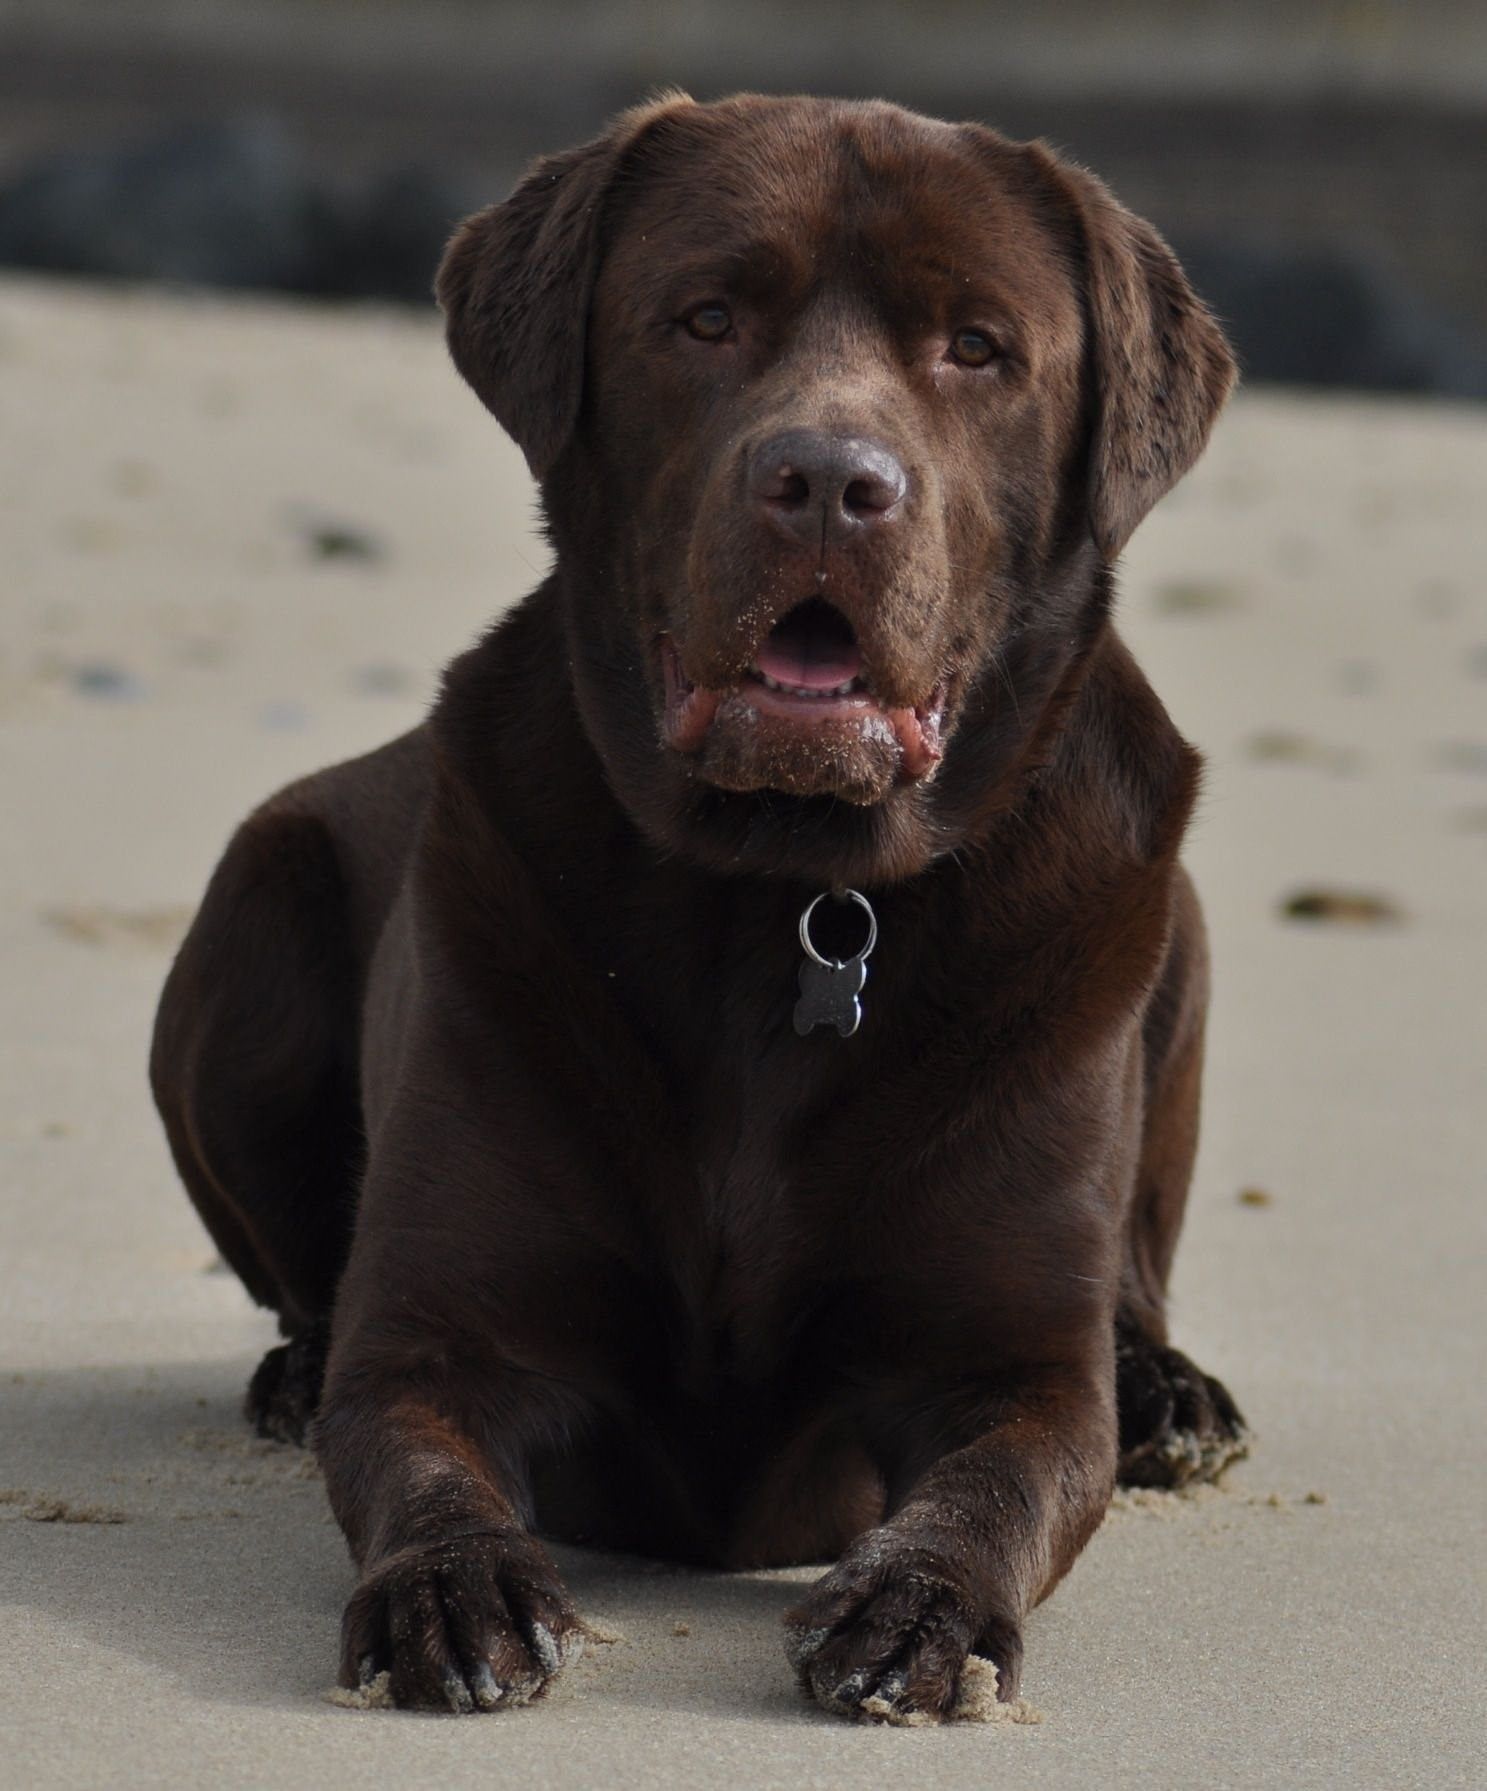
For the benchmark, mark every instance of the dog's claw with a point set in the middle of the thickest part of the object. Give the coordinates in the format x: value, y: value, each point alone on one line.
x: 847, y: 1693
x: 461, y: 1700
x: 483, y: 1683
x: 550, y: 1656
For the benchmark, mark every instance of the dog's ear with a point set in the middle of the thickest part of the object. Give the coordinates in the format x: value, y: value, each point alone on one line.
x: 516, y: 281
x: 1159, y: 364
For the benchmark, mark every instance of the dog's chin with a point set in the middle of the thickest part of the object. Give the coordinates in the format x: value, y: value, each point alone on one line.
x: 853, y: 756
x: 754, y: 735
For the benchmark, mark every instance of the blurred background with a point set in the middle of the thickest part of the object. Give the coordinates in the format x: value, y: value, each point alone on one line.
x: 1322, y: 168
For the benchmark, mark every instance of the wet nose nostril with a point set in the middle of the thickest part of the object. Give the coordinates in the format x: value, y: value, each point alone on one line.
x: 872, y: 495
x: 782, y: 485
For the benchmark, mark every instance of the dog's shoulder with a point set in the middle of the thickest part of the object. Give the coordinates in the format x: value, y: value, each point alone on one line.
x: 1124, y: 776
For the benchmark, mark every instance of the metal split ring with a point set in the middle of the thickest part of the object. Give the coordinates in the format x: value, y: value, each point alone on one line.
x: 841, y: 895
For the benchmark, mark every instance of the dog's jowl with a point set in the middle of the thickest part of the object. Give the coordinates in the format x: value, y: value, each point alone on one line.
x: 490, y: 1061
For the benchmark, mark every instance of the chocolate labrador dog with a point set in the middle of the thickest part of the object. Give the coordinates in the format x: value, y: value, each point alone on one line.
x: 533, y: 1068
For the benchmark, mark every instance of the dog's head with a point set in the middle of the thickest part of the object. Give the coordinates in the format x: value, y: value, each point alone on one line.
x: 840, y: 416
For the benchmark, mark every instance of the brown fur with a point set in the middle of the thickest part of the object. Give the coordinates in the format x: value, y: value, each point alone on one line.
x: 479, y: 1055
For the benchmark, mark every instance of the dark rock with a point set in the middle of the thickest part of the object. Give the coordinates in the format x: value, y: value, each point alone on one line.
x: 393, y: 233
x: 1326, y: 317
x: 111, y: 683
x: 236, y: 205
x: 342, y: 541
x: 218, y: 205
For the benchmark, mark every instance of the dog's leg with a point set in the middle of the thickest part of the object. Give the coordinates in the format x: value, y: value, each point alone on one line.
x: 982, y: 1535
x: 1177, y: 1424
x: 460, y: 1357
x: 458, y: 1603
x: 253, y: 1070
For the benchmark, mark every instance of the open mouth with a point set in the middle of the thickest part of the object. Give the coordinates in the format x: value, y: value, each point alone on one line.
x: 807, y: 673
x: 811, y: 655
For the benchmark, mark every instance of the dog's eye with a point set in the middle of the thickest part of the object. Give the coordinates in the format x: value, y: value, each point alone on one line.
x: 709, y: 323
x: 973, y: 348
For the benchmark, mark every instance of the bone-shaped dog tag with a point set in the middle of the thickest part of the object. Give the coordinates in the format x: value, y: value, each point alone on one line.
x: 828, y: 996
x: 830, y: 987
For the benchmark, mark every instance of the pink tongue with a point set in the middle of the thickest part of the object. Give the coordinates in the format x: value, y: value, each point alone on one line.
x: 811, y: 664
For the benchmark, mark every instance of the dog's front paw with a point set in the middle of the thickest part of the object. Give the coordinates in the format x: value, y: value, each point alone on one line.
x: 474, y: 1623
x: 1177, y: 1424
x: 884, y: 1637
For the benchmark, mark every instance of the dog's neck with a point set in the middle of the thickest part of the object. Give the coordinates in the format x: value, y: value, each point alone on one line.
x: 1007, y: 731
x: 557, y: 728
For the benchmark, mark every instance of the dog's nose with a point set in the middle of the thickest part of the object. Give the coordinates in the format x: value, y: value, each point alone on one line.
x: 804, y: 480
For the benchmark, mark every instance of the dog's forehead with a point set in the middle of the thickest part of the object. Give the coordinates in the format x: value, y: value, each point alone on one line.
x: 839, y: 181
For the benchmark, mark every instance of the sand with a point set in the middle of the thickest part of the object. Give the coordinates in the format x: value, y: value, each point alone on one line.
x: 239, y: 539
x: 976, y: 1701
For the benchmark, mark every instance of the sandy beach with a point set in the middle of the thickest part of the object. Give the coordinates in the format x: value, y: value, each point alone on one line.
x: 239, y: 540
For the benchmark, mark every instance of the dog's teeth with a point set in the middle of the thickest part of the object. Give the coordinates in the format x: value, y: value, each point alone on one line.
x: 849, y: 688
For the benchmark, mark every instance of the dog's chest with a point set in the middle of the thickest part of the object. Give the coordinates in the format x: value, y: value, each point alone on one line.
x: 746, y: 1249
x: 746, y: 1214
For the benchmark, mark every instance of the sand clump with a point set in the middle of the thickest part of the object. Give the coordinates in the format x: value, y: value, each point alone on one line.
x: 376, y: 1694
x: 1281, y: 746
x: 159, y: 929
x: 1342, y: 907
x: 44, y: 1508
x: 252, y: 1460
x: 1182, y: 1502
x: 976, y: 1701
